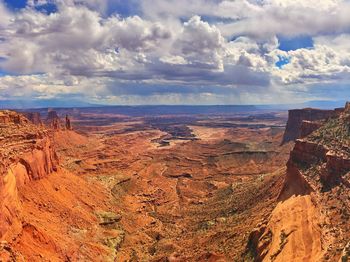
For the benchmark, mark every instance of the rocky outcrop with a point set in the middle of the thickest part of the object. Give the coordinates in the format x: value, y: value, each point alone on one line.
x: 53, y: 120
x: 318, y: 166
x: 10, y: 206
x: 336, y: 166
x: 347, y: 108
x: 306, y: 153
x: 297, y: 116
x: 26, y: 154
x: 295, y: 183
x: 307, y: 127
x: 39, y: 162
x: 33, y: 117
x: 259, y: 240
x: 68, y: 124
x: 10, y: 117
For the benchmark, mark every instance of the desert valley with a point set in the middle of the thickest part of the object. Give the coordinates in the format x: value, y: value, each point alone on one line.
x: 174, y: 130
x: 132, y: 184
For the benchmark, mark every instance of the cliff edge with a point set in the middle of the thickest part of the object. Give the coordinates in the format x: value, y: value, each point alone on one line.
x: 310, y: 221
x: 312, y: 119
x: 26, y: 154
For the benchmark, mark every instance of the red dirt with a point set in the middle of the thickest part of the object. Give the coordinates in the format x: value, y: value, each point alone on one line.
x: 118, y: 195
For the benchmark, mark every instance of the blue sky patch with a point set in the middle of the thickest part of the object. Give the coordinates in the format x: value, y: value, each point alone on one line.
x: 47, y: 8
x: 2, y: 72
x: 19, y: 4
x: 282, y: 61
x: 15, y: 4
x: 288, y: 44
x: 123, y: 8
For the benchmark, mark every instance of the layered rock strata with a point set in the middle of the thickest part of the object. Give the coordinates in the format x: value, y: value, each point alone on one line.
x: 26, y: 154
x: 53, y: 120
x: 33, y: 117
x: 313, y: 209
x: 297, y: 116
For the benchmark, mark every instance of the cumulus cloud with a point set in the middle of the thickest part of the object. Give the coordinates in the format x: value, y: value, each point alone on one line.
x: 327, y: 62
x: 212, y: 49
x: 200, y: 43
x: 77, y: 40
x: 292, y: 18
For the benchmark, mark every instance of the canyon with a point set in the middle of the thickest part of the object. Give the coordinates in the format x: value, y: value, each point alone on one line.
x: 310, y: 221
x: 112, y: 184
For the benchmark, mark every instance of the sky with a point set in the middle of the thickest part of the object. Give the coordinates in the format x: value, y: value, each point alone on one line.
x: 119, y: 52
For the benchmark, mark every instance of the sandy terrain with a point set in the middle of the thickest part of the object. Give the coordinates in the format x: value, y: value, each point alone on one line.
x: 129, y: 191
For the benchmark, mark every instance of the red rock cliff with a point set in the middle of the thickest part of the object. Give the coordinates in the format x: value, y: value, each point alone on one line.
x: 307, y: 127
x: 297, y: 116
x: 26, y: 154
x: 53, y: 120
x: 314, y: 194
x: 33, y: 117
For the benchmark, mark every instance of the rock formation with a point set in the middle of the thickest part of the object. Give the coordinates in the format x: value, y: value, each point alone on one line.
x: 10, y: 117
x: 68, y: 124
x: 297, y: 116
x: 33, y: 117
x: 310, y: 211
x: 53, y: 120
x: 307, y: 127
x: 26, y: 154
x: 347, y: 108
x: 192, y: 201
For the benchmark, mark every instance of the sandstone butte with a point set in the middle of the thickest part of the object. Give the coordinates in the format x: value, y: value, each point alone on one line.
x: 48, y: 213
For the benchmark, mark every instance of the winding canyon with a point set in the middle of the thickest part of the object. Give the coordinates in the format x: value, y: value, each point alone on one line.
x: 103, y: 185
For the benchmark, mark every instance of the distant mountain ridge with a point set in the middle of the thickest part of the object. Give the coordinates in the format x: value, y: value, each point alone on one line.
x: 71, y: 103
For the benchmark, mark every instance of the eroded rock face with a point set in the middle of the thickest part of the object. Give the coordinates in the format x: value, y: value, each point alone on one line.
x: 68, y: 124
x: 11, y: 117
x: 336, y: 166
x: 10, y: 207
x: 313, y: 202
x: 41, y: 161
x: 307, y: 127
x: 53, y: 120
x: 306, y: 153
x: 295, y: 183
x: 347, y: 108
x: 33, y: 117
x: 297, y: 116
x: 26, y: 154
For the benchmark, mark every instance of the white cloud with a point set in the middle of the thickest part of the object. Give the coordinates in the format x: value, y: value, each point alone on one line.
x: 77, y: 41
x: 292, y: 18
x: 5, y: 16
x: 186, y: 44
x: 327, y: 62
x: 201, y: 43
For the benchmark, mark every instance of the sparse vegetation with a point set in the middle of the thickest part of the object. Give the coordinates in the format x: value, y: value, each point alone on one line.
x: 335, y: 134
x: 283, y: 242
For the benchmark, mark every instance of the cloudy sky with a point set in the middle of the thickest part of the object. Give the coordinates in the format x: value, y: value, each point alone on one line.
x: 174, y: 51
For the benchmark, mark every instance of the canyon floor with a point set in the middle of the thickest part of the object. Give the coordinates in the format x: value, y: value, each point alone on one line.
x: 189, y: 200
x: 160, y: 188
x: 184, y: 187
